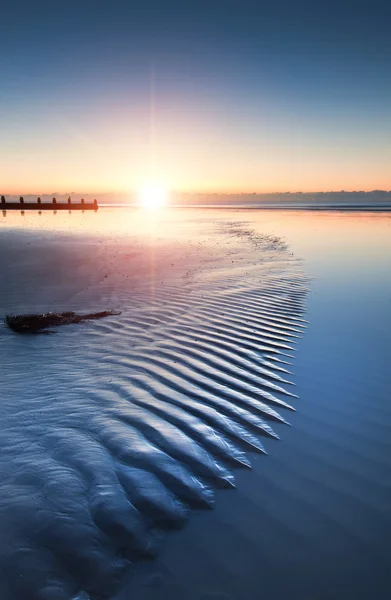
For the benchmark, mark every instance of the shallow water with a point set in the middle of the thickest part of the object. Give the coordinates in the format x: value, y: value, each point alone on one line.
x: 114, y: 430
x: 313, y: 519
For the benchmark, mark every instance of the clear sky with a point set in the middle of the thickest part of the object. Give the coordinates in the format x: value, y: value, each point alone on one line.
x: 216, y: 95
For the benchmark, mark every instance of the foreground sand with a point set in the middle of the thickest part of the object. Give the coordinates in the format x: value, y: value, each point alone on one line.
x: 209, y: 307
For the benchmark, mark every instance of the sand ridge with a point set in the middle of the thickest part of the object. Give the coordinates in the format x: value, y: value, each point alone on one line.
x: 137, y: 420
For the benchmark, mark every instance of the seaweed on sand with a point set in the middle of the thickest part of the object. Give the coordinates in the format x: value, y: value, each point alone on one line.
x: 36, y: 323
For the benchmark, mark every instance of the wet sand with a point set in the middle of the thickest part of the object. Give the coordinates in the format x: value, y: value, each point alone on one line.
x: 214, y: 307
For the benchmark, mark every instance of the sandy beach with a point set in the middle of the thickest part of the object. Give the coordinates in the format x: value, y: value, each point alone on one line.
x: 128, y: 441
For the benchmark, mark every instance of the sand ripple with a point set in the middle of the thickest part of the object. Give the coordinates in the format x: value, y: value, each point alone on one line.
x: 144, y: 417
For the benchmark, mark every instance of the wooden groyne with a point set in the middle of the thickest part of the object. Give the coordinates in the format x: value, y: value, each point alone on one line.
x: 53, y: 205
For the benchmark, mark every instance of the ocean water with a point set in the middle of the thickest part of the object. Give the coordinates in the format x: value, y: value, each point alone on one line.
x: 116, y: 433
x: 312, y: 519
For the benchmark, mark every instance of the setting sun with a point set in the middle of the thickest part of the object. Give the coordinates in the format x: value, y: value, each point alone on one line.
x: 153, y: 195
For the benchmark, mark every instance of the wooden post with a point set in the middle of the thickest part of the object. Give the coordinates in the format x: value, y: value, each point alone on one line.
x: 95, y: 204
x: 2, y: 201
x: 82, y: 201
x: 39, y: 201
x: 54, y: 201
x: 21, y: 200
x: 69, y: 200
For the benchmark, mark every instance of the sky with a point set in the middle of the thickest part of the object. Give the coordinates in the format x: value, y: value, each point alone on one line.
x: 207, y: 96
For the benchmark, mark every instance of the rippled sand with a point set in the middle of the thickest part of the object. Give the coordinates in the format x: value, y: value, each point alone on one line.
x: 112, y: 433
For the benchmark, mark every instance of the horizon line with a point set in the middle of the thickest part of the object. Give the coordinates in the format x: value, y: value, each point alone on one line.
x: 201, y: 193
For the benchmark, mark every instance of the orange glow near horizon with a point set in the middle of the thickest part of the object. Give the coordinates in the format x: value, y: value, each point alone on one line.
x: 192, y: 149
x: 191, y: 153
x: 186, y: 170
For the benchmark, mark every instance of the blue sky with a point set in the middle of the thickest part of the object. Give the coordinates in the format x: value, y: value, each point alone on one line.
x: 218, y: 95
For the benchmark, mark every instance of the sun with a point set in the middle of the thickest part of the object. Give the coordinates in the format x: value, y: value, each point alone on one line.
x: 152, y: 195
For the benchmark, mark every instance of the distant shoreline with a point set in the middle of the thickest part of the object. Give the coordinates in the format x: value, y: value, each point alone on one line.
x: 309, y: 207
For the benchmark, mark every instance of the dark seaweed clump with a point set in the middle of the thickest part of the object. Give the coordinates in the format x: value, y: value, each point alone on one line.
x: 37, y: 323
